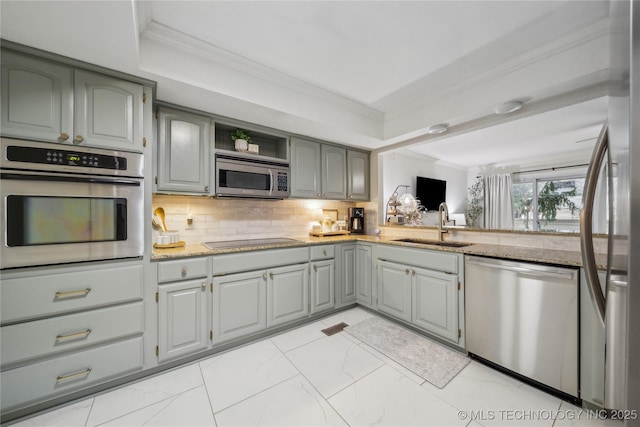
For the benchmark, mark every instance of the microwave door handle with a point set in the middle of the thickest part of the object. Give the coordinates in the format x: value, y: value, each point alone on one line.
x: 270, y: 182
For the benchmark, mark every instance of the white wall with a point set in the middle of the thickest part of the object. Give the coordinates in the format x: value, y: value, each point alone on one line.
x: 398, y: 168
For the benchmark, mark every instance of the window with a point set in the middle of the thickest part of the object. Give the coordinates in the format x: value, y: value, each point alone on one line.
x: 555, y: 206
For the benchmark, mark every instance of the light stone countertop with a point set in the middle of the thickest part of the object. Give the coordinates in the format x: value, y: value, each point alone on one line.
x: 516, y: 253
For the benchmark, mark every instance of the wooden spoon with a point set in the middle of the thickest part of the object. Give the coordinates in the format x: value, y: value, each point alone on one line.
x: 160, y: 213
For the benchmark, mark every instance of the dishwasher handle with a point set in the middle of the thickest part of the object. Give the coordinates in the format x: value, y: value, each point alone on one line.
x: 518, y: 269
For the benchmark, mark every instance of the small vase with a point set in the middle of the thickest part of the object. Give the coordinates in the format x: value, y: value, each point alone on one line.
x: 241, y: 145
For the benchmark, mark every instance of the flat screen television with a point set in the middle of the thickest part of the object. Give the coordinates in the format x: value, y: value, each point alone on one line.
x: 431, y: 192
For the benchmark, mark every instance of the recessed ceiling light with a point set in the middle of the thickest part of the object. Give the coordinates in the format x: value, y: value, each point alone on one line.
x: 440, y: 128
x: 508, y: 107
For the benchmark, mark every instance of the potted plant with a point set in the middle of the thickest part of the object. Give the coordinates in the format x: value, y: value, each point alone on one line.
x: 241, y: 139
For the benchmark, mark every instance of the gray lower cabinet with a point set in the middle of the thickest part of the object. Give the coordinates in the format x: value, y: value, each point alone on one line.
x: 394, y: 290
x: 183, y: 151
x: 69, y: 327
x: 184, y: 301
x: 287, y: 294
x: 183, y: 321
x: 364, y: 273
x: 239, y: 305
x: 322, y: 285
x: 434, y: 297
x: 424, y: 288
x: 346, y: 274
x: 47, y: 101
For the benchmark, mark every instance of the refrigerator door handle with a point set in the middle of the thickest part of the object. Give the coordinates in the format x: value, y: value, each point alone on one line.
x: 586, y: 222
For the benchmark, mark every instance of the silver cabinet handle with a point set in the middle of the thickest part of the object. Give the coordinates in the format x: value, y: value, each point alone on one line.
x: 203, y: 286
x: 206, y: 188
x: 184, y: 271
x: 413, y: 272
x: 72, y: 294
x: 271, y: 276
x: 406, y: 271
x: 73, y: 336
x: 63, y: 136
x: 264, y: 276
x: 324, y: 252
x: 76, y: 375
x: 315, y: 268
x: 79, y: 139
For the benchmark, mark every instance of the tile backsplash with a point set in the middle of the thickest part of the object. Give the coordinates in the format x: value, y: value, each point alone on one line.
x: 230, y: 219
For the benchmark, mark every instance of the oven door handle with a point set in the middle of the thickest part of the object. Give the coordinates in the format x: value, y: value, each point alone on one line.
x: 76, y: 179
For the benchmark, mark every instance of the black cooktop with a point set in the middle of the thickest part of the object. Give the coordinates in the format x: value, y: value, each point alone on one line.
x: 248, y: 242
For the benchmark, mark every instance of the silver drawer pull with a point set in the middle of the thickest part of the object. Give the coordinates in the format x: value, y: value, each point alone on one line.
x: 73, y: 336
x: 184, y: 271
x: 74, y: 376
x: 72, y: 294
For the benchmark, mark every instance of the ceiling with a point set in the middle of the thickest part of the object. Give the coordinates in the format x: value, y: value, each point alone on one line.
x: 371, y: 74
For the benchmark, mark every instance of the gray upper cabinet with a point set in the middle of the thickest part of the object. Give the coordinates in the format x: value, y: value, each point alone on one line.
x: 50, y: 102
x: 183, y: 154
x: 306, y: 166
x: 320, y: 171
x: 357, y: 175
x: 108, y: 112
x: 334, y: 172
x: 37, y: 99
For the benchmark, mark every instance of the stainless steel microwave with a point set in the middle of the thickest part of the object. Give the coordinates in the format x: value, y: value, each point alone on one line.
x: 238, y: 176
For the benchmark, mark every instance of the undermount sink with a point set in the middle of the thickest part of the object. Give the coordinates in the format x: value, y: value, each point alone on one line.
x: 434, y: 242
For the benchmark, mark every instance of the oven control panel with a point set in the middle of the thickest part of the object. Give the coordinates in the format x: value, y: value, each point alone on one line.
x: 65, y: 158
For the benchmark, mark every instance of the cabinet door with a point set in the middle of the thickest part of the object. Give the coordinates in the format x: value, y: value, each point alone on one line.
x: 357, y: 175
x: 305, y: 169
x: 363, y: 269
x: 183, y: 155
x: 435, y: 302
x: 239, y: 303
x: 287, y: 294
x: 37, y: 99
x: 322, y: 285
x: 394, y: 290
x: 346, y: 274
x: 182, y: 318
x: 334, y: 172
x: 108, y: 112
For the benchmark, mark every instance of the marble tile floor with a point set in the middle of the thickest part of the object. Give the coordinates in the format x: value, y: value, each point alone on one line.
x: 305, y: 378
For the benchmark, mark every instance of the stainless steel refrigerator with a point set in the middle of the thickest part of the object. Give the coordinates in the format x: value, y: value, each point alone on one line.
x: 616, y: 159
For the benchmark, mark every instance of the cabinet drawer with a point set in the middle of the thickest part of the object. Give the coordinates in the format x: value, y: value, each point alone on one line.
x: 322, y: 252
x: 42, y: 294
x: 45, y: 337
x: 258, y: 260
x: 182, y: 269
x: 65, y: 374
x: 430, y: 259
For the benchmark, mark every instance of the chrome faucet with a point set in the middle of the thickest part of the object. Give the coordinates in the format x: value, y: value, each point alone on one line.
x: 442, y: 221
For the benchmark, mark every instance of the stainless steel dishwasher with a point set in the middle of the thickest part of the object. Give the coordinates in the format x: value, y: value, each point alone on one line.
x: 524, y: 317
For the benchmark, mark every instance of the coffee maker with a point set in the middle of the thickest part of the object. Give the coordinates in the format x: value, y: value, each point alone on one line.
x: 356, y: 220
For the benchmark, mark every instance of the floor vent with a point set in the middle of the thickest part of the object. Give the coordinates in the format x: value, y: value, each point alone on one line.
x: 334, y: 329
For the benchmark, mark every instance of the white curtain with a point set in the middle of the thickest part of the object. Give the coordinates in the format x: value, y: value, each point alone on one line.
x: 498, y: 203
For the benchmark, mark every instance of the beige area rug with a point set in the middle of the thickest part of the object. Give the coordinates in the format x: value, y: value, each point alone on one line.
x: 432, y: 361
